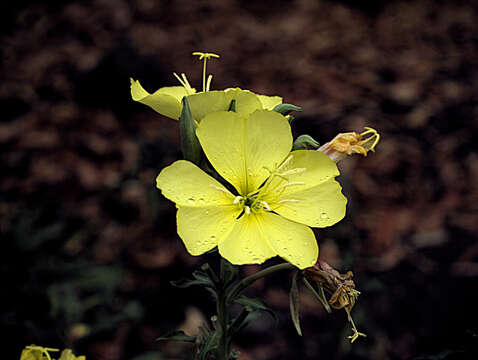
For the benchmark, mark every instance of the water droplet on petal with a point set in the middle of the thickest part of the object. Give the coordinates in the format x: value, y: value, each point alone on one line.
x: 206, y: 212
x: 201, y: 201
x: 212, y: 238
x: 323, y: 216
x: 191, y: 201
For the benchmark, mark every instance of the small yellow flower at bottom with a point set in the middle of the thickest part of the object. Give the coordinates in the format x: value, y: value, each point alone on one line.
x: 277, y: 193
x: 33, y: 352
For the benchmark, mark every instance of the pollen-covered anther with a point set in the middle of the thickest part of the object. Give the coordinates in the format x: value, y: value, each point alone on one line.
x: 265, y: 205
x: 237, y: 200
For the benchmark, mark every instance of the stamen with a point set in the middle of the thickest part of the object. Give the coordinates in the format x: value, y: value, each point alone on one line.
x: 266, y: 205
x: 293, y: 171
x: 208, y: 83
x: 247, y: 210
x: 286, y: 161
x: 185, y: 83
x: 289, y: 184
x: 237, y: 200
x: 205, y: 56
x: 220, y: 189
x: 287, y: 200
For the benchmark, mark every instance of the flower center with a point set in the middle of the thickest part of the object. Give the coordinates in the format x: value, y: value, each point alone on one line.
x: 267, y: 196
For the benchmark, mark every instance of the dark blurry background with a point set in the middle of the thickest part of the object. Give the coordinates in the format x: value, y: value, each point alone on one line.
x: 88, y: 244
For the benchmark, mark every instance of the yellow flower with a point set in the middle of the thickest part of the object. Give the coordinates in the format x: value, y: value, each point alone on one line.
x: 34, y: 352
x: 275, y: 194
x: 167, y: 100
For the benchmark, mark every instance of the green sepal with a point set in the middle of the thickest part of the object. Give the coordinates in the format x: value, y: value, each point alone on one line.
x: 232, y: 107
x: 318, y: 295
x: 303, y: 142
x: 294, y: 303
x: 286, y: 109
x: 190, y: 145
x: 177, y: 335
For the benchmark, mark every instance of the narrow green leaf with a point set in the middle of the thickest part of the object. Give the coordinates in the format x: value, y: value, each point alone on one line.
x: 176, y: 335
x: 210, y: 344
x: 190, y: 145
x: 294, y: 303
x: 228, y: 272
x: 318, y: 295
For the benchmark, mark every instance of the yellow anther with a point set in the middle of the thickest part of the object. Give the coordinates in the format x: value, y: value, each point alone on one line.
x: 265, y: 205
x: 205, y: 56
x: 185, y: 83
x: 237, y: 200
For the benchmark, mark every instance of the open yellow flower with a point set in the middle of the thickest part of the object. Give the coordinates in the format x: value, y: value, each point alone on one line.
x: 277, y: 194
x: 167, y: 100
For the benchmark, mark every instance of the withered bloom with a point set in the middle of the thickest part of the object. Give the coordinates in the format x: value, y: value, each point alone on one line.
x: 340, y: 288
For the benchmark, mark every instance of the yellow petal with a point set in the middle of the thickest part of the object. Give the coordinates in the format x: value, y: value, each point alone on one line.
x: 201, y: 229
x: 204, y: 103
x: 269, y: 102
x: 246, y: 101
x: 240, y: 148
x: 246, y: 243
x: 319, y: 206
x: 318, y: 169
x: 166, y: 100
x: 292, y: 241
x: 187, y: 185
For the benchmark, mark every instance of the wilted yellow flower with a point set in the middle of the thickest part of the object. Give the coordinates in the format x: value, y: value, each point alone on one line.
x: 350, y: 143
x: 275, y: 194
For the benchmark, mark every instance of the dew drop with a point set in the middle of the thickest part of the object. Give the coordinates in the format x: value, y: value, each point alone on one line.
x: 206, y: 212
x: 323, y: 216
x: 191, y: 201
x: 201, y: 201
x: 212, y: 238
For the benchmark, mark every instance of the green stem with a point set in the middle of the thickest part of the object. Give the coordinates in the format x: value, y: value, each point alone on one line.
x: 224, y: 299
x: 244, y: 283
x: 222, y: 320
